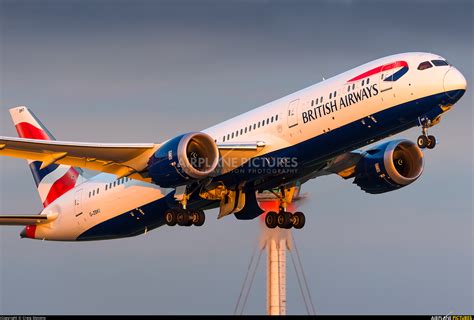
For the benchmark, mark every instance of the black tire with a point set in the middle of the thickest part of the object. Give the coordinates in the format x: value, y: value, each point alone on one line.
x: 284, y: 220
x: 271, y: 219
x: 170, y: 217
x: 431, y: 142
x: 422, y: 141
x: 299, y: 220
x: 183, y: 218
x: 198, y: 218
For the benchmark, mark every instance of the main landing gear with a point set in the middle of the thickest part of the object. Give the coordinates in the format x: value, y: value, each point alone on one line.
x: 181, y: 215
x: 284, y: 219
x: 184, y: 217
x: 425, y: 140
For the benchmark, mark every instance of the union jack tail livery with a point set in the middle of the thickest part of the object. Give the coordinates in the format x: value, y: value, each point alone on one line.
x: 51, y: 180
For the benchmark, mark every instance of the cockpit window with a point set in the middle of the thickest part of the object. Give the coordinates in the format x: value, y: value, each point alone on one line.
x: 424, y: 65
x: 439, y: 63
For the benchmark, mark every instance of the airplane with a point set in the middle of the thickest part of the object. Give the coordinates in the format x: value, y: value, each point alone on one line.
x: 272, y: 149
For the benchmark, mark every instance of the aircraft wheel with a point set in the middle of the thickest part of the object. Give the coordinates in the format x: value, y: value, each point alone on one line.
x: 271, y: 219
x: 284, y: 220
x: 183, y: 218
x: 170, y: 217
x: 431, y: 142
x: 198, y: 217
x: 422, y: 141
x: 299, y: 220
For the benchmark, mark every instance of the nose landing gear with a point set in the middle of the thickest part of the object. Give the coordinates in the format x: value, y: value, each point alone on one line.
x: 425, y: 140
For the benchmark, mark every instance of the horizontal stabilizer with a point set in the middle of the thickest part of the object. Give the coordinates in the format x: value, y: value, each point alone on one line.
x: 25, y: 220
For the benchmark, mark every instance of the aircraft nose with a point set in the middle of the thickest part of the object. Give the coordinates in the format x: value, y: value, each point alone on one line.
x: 454, y: 84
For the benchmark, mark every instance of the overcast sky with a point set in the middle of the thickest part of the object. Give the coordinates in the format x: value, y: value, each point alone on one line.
x: 145, y: 71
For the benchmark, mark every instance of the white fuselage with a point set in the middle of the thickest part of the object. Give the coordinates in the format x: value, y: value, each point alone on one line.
x: 293, y: 119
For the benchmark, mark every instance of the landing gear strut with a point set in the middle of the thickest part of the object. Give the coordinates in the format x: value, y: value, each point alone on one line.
x: 425, y: 140
x: 284, y: 219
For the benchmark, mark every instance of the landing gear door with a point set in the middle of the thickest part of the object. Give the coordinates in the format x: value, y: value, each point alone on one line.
x: 292, y: 113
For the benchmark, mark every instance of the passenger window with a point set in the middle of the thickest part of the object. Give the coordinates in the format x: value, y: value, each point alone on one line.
x: 268, y: 120
x: 259, y: 124
x: 97, y: 190
x: 424, y: 65
x: 89, y: 194
x: 312, y: 102
x: 223, y: 139
x: 348, y: 88
x: 232, y: 135
x: 241, y: 131
x: 439, y: 63
x: 317, y: 100
x: 250, y: 128
x: 272, y: 119
x: 93, y: 192
x: 353, y: 86
x: 276, y: 118
x: 254, y: 126
x: 106, y: 186
x: 363, y: 81
x: 368, y: 79
x: 330, y: 95
x: 335, y: 93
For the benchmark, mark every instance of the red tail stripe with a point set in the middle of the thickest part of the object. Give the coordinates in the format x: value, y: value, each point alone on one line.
x: 29, y: 131
x: 61, y: 186
x: 373, y: 71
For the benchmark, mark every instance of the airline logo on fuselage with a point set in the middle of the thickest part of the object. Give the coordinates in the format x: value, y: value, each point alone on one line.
x: 357, y: 96
x: 343, y: 102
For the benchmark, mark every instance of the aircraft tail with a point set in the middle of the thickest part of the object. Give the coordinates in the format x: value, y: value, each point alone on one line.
x: 52, y: 180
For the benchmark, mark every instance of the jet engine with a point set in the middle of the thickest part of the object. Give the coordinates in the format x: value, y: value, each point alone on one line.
x: 389, y: 166
x: 185, y: 158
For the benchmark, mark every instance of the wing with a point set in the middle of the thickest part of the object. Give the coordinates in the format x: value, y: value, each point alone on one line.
x: 343, y: 165
x: 25, y: 220
x: 119, y: 159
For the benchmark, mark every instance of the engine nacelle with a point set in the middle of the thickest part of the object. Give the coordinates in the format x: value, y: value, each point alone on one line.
x: 188, y: 157
x: 389, y: 166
